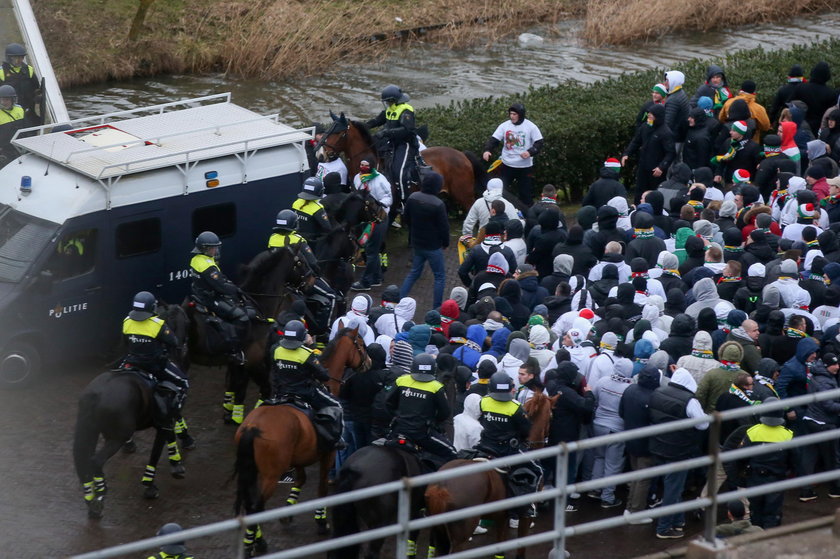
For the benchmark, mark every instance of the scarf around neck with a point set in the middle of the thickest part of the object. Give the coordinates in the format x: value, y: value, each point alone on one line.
x: 741, y: 395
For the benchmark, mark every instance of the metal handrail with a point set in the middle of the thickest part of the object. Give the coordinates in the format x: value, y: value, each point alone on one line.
x: 559, y: 494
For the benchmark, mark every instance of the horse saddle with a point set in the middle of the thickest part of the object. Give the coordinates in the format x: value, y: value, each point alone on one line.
x: 291, y: 400
x: 127, y: 368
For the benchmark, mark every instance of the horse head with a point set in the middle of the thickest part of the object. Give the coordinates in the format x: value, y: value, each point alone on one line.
x: 538, y: 409
x: 333, y: 141
x: 360, y: 207
x: 346, y: 351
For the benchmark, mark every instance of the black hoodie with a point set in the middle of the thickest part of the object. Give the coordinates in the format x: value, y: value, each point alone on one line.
x: 829, y: 246
x: 785, y: 93
x: 512, y: 293
x: 681, y: 337
x: 599, y: 290
x: 642, y: 246
x: 655, y: 145
x: 574, y: 247
x: 550, y: 235
x: 675, y: 302
x: 749, y: 295
x: 630, y: 311
x: 695, y: 252
x: 657, y: 202
x: 816, y: 94
x: 604, y: 189
x: 425, y: 213
x: 608, y: 230
x: 698, y: 141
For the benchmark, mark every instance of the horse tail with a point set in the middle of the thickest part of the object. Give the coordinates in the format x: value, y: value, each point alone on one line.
x: 86, y: 435
x: 437, y: 499
x: 345, y: 520
x: 479, y: 171
x: 245, y: 471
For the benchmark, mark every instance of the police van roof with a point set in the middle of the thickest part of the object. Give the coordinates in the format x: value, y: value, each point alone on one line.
x: 125, y: 143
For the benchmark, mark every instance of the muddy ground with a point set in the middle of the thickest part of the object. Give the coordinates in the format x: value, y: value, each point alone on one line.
x: 42, y: 514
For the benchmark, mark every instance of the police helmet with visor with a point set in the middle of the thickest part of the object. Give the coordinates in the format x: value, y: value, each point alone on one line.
x: 14, y: 49
x: 424, y: 368
x: 143, y: 306
x: 313, y: 189
x: 206, y: 240
x: 294, y: 334
x: 177, y: 548
x: 500, y: 387
x: 287, y: 220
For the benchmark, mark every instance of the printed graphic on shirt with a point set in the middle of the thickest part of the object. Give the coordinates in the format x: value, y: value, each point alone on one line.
x: 514, y: 139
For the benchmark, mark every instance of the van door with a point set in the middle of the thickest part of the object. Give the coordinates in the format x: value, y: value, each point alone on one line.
x: 139, y: 262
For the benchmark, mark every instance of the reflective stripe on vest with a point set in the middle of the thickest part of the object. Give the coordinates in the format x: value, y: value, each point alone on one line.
x: 280, y: 240
x: 394, y: 111
x: 30, y: 71
x: 149, y: 327
x: 432, y: 386
x: 299, y: 355
x: 202, y: 262
x: 309, y: 207
x: 490, y: 405
x: 73, y: 243
x: 11, y: 115
x: 762, y: 433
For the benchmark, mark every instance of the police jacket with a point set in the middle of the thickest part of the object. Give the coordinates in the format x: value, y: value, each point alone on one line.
x: 283, y: 239
x: 148, y: 343
x: 24, y: 80
x: 502, y: 421
x: 417, y: 405
x: 775, y: 464
x: 162, y: 555
x: 208, y: 281
x: 313, y: 223
x: 296, y: 368
x: 399, y: 123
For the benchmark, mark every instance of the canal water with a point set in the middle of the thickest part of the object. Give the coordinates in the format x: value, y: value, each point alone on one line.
x: 433, y: 74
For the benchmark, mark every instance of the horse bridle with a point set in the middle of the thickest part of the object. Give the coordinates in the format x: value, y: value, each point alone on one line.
x: 358, y: 345
x: 304, y: 276
x: 332, y: 130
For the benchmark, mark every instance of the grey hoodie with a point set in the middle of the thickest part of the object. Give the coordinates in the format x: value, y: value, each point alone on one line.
x: 518, y: 353
x: 705, y: 295
x: 608, y: 391
x: 563, y: 264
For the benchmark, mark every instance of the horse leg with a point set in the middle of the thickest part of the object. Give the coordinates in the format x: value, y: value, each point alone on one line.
x: 237, y: 386
x: 522, y: 532
x: 96, y: 504
x: 325, y: 462
x: 183, y: 434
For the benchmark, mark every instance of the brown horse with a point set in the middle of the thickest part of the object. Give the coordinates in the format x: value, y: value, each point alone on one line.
x: 274, y: 439
x: 461, y: 173
x: 483, y: 487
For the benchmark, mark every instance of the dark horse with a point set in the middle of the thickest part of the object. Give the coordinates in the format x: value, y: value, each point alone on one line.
x: 115, y: 405
x: 483, y: 487
x: 268, y: 283
x: 462, y: 173
x: 275, y: 438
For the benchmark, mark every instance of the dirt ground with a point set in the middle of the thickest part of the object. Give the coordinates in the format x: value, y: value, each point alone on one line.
x: 42, y: 514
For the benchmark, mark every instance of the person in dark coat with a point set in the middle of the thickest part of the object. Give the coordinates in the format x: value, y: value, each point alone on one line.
x: 677, y: 105
x: 644, y: 243
x: 773, y: 163
x: 696, y: 252
x: 670, y: 277
x: 607, y: 186
x: 740, y: 152
x: 679, y: 341
x: 816, y: 94
x: 550, y: 234
x: 512, y: 293
x: 475, y: 260
x: 655, y: 145
x: 829, y: 245
x: 830, y: 133
x: 608, y: 230
x: 820, y: 417
x: 532, y: 292
x: 599, y: 290
x: 660, y: 219
x: 715, y: 88
x: 574, y: 247
x: 757, y: 249
x: 358, y: 392
x: 698, y: 140
x: 633, y: 409
x: 796, y: 76
x: 630, y: 310
x: 574, y: 408
x: 495, y: 272
x: 548, y: 200
x: 748, y: 295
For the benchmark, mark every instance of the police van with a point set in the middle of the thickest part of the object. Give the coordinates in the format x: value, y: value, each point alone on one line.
x: 98, y: 209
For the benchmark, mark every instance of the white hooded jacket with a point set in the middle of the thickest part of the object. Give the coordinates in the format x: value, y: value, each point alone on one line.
x: 467, y: 429
x: 391, y: 324
x: 479, y: 213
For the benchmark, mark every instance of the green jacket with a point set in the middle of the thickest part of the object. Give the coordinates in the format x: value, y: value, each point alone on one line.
x: 736, y: 528
x: 712, y: 385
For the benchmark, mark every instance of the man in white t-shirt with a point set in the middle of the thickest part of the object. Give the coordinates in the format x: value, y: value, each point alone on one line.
x: 334, y: 166
x: 521, y: 140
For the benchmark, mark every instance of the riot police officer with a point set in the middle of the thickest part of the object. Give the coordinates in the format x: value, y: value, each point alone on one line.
x: 506, y: 430
x: 419, y: 405
x: 11, y: 119
x: 398, y: 139
x: 177, y: 550
x: 297, y: 372
x: 221, y: 296
x: 20, y: 75
x: 313, y: 223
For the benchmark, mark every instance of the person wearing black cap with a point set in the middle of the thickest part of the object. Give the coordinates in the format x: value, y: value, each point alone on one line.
x: 766, y: 510
x: 176, y: 550
x: 819, y: 417
x: 486, y: 369
x: 786, y: 92
x: 655, y: 144
x: 428, y: 232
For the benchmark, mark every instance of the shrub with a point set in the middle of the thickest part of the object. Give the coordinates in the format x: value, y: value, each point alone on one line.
x: 585, y: 124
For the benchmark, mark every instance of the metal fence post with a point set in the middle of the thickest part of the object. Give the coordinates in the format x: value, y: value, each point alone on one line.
x: 561, y: 476
x: 711, y: 481
x: 403, y: 514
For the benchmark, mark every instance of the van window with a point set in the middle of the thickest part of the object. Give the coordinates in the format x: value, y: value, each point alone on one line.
x: 220, y: 219
x: 22, y: 238
x: 75, y: 254
x: 138, y: 237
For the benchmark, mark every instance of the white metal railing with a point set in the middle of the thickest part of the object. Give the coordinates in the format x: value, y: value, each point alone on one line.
x: 403, y: 524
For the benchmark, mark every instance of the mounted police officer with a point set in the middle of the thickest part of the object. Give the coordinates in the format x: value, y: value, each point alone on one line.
x: 221, y: 296
x: 177, y: 550
x: 149, y: 341
x: 398, y: 139
x: 298, y: 373
x: 11, y: 119
x: 321, y: 299
x: 505, y: 432
x: 419, y: 405
x: 20, y: 75
x: 313, y: 223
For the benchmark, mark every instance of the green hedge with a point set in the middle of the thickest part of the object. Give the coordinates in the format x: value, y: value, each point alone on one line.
x: 584, y: 124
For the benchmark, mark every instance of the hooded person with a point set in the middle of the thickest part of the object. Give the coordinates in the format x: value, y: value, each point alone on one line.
x: 419, y: 337
x: 644, y: 243
x: 705, y: 296
x: 654, y: 142
x: 642, y: 350
x: 630, y: 310
x: 581, y: 352
x: 726, y: 215
x: 677, y: 106
x: 748, y: 295
x: 476, y: 260
x: 718, y: 380
x: 675, y: 303
x: 461, y: 296
x: 449, y: 312
x: 699, y: 143
x: 607, y: 186
x: 701, y: 359
x: 813, y: 280
x: 572, y: 411
x: 788, y: 282
x: 599, y: 290
x: 540, y: 341
x: 773, y: 163
x: 359, y: 309
x: 793, y: 379
x: 829, y: 311
x: 470, y: 352
x: 603, y: 365
x: 467, y: 429
x: 623, y: 209
x: 495, y: 321
x: 496, y: 271
x: 479, y: 214
x: 392, y: 323
x: 607, y: 229
x: 695, y: 255
x: 485, y: 370
x: 532, y: 293
x: 816, y: 95
x: 680, y: 339
x: 518, y: 352
x: 584, y: 260
x: 818, y: 158
x: 514, y: 240
x: 765, y: 380
x: 715, y: 88
x: 457, y: 337
x: 562, y: 265
x: 540, y: 253
x: 511, y: 292
x: 390, y: 298
x: 660, y: 219
x: 498, y: 343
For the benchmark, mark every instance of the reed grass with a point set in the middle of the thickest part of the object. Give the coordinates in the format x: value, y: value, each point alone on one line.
x: 624, y: 21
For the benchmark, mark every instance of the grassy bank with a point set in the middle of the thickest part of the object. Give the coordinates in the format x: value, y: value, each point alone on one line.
x: 620, y: 22
x: 266, y: 39
x: 584, y: 125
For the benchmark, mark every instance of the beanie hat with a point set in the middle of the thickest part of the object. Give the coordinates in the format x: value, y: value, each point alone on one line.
x: 432, y: 318
x: 736, y: 317
x: 756, y: 270
x: 832, y: 270
x: 740, y: 126
x: 541, y: 310
x: 705, y: 103
x: 493, y: 229
x: 668, y: 260
x: 732, y: 237
x: 612, y: 163
x: 431, y: 182
x: 660, y: 89
x: 587, y: 314
x: 495, y: 184
x: 391, y: 294
x: 728, y: 209
x: 763, y: 221
x: 806, y: 211
x: 748, y: 86
x: 360, y: 305
x: 788, y: 268
x: 815, y: 172
x: 730, y: 351
x: 772, y: 140
x: 740, y: 175
x: 486, y: 368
